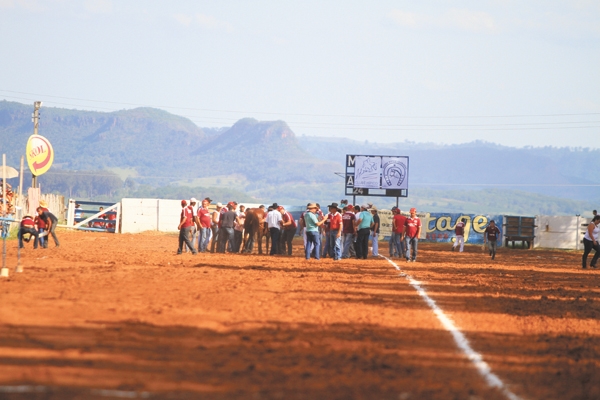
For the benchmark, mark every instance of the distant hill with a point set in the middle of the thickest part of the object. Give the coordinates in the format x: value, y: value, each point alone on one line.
x: 149, y: 140
x: 264, y: 151
x: 150, y: 148
x: 161, y: 147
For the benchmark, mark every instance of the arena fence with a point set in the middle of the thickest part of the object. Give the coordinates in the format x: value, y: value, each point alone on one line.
x: 96, y: 217
x: 140, y: 215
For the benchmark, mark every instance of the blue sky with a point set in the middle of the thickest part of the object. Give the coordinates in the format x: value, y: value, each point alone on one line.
x: 510, y: 72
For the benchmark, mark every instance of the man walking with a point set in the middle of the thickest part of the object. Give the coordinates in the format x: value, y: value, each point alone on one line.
x: 412, y: 231
x: 491, y: 235
x: 186, y: 221
x: 459, y: 231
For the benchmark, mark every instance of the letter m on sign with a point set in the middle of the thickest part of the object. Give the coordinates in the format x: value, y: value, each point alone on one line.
x: 350, y: 160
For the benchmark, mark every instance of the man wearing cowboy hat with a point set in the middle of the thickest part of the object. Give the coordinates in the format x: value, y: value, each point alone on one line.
x: 313, y: 237
x: 274, y: 221
x: 334, y: 234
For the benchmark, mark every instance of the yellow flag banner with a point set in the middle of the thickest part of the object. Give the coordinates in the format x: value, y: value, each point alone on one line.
x: 40, y: 154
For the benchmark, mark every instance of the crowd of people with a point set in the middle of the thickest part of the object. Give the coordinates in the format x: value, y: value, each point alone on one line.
x: 344, y: 231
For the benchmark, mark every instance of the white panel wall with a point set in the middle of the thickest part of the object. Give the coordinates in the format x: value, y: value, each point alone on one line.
x: 169, y: 215
x: 139, y: 215
x: 559, y: 232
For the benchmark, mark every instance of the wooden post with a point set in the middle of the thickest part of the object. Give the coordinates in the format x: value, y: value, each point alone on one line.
x: 4, y: 207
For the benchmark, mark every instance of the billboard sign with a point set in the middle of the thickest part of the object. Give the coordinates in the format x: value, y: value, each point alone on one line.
x: 368, y: 175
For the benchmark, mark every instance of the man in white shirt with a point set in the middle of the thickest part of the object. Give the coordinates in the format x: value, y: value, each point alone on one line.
x: 274, y: 221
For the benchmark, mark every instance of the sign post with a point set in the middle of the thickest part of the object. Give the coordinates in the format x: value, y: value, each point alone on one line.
x: 35, y: 118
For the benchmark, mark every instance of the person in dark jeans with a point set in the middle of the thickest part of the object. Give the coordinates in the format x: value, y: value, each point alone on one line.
x: 590, y: 241
x: 274, y: 221
x: 51, y: 221
x: 186, y: 222
x: 216, y: 215
x: 28, y: 226
x: 363, y: 226
x: 226, y: 231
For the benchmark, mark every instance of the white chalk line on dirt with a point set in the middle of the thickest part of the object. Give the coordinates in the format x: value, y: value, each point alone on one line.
x: 126, y: 394
x: 459, y: 338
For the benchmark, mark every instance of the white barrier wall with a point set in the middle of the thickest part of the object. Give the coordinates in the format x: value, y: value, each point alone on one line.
x: 139, y: 215
x: 169, y: 215
x: 559, y: 232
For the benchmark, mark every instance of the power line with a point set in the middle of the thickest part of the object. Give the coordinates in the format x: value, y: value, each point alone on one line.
x: 390, y: 127
x: 306, y: 114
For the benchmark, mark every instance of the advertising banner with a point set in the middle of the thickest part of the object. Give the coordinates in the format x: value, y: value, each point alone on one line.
x: 440, y: 227
x: 40, y: 154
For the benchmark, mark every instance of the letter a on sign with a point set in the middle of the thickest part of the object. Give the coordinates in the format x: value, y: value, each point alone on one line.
x: 350, y: 181
x: 40, y: 154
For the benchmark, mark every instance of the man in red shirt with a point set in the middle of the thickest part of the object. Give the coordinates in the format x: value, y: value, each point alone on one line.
x: 412, y: 231
x: 28, y: 226
x: 334, y: 234
x: 288, y: 231
x: 185, y: 225
x: 348, y: 232
x: 204, y: 222
x: 396, y: 242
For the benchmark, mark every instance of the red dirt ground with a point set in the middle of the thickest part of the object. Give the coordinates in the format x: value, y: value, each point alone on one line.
x: 122, y: 312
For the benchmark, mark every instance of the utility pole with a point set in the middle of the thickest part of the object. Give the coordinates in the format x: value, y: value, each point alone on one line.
x: 35, y: 118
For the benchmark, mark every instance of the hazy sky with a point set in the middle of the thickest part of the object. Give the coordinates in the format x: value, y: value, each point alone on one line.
x: 428, y: 71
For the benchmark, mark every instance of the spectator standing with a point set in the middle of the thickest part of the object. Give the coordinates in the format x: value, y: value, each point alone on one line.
x: 348, y: 232
x: 41, y: 228
x: 491, y: 235
x: 204, y: 231
x: 396, y: 242
x: 363, y: 230
x: 216, y: 216
x: 186, y: 221
x: 50, y: 221
x: 78, y: 213
x: 28, y: 226
x: 459, y: 231
x: 194, y: 229
x: 412, y: 231
x: 335, y: 232
x: 375, y: 232
x: 313, y: 237
x: 590, y: 241
x: 274, y: 221
x: 288, y: 232
x: 226, y: 230
x: 238, y: 229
